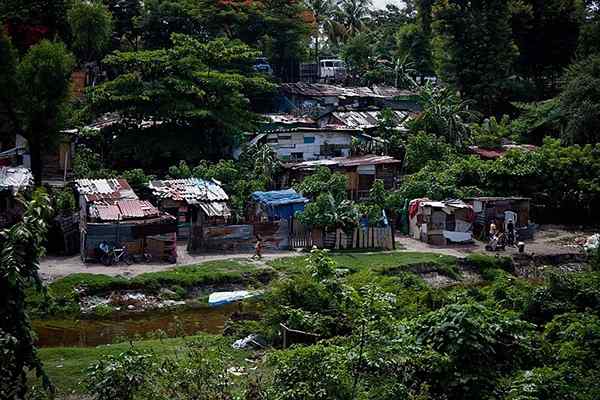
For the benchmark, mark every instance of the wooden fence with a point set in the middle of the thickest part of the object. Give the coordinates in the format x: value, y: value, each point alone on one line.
x: 359, y: 238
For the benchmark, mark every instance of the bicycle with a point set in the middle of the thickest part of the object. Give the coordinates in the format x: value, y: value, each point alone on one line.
x: 114, y: 255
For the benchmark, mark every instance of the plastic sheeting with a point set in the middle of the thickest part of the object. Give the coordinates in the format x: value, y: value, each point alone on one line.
x: 280, y: 204
x: 221, y: 298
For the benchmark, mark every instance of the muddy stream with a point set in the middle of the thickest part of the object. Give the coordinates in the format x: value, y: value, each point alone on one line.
x: 94, y: 332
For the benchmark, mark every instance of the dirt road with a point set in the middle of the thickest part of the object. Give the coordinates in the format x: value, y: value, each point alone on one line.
x: 53, y: 267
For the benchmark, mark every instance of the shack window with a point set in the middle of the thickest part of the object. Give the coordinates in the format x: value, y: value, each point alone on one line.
x: 309, y: 139
x: 297, y: 156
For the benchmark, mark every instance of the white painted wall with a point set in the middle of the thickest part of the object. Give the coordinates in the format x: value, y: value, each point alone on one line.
x: 293, y: 142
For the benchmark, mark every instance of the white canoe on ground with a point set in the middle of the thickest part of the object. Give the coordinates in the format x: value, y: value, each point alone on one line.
x: 220, y: 298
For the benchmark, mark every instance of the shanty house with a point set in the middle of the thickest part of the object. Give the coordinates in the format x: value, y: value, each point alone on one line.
x: 195, y: 203
x: 13, y: 180
x: 440, y: 222
x: 500, y: 210
x: 111, y: 212
x: 361, y: 171
x: 310, y: 143
x: 275, y: 205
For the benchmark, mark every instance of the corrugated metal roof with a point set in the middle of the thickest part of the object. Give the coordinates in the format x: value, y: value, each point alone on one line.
x: 215, y: 209
x: 191, y: 190
x: 104, y: 189
x: 15, y: 179
x: 368, y: 119
x: 344, y: 162
x: 324, y: 90
x: 123, y: 210
x: 137, y: 209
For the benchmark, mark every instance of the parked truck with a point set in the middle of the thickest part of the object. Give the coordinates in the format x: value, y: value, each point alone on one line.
x: 328, y: 71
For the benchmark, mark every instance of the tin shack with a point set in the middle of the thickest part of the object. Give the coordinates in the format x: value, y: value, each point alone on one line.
x: 440, y: 222
x: 111, y: 212
x: 196, y: 203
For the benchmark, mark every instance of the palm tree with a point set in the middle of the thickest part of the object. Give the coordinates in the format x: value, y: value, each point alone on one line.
x: 352, y: 15
x: 322, y: 11
x: 445, y: 113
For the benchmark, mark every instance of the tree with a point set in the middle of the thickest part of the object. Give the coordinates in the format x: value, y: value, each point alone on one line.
x: 352, y: 14
x: 21, y: 247
x: 588, y: 43
x: 193, y: 90
x: 545, y: 50
x: 27, y: 22
x: 474, y: 49
x: 414, y: 47
x: 159, y: 19
x: 39, y: 85
x: 580, y: 101
x: 125, y: 13
x: 444, y: 114
x: 323, y: 181
x: 322, y: 11
x: 91, y: 25
x: 359, y: 54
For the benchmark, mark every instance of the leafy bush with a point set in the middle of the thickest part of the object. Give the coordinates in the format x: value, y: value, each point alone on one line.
x: 482, y: 344
x: 119, y: 377
x: 310, y: 373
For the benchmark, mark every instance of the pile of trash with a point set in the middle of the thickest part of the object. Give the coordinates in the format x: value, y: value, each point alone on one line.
x: 126, y: 301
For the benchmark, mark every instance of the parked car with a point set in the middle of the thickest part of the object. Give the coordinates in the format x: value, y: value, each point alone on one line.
x: 262, y: 65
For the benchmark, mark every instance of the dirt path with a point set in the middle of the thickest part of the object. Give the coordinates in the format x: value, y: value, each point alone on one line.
x: 55, y: 267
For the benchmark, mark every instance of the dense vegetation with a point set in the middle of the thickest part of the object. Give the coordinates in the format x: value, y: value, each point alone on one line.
x: 383, y: 333
x: 173, y: 83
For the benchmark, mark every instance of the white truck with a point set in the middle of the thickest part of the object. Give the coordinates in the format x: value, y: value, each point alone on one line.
x: 330, y: 70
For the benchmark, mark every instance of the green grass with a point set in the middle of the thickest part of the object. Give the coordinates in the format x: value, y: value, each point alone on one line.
x: 66, y: 365
x: 213, y: 272
x: 64, y: 298
x: 377, y: 261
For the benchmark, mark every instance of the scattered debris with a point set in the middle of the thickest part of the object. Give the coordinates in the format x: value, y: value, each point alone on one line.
x: 250, y: 341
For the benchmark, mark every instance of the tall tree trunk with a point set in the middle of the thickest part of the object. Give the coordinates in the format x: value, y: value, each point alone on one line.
x: 317, y: 50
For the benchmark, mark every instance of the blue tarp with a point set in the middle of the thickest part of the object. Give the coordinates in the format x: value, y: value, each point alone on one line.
x: 280, y: 204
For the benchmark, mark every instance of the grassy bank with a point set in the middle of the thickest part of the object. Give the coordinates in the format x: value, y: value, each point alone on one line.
x: 377, y: 261
x: 64, y: 293
x: 66, y: 365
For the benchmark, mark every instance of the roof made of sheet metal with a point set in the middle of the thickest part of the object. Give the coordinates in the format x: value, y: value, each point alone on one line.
x: 367, y: 119
x: 343, y: 162
x: 104, y: 189
x: 324, y: 90
x: 191, y: 190
x: 123, y: 210
x: 215, y: 209
x: 15, y: 179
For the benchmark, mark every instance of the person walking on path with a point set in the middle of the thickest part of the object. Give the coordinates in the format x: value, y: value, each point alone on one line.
x: 258, y: 248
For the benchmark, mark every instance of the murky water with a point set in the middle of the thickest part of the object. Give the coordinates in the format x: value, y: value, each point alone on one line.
x: 93, y: 332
